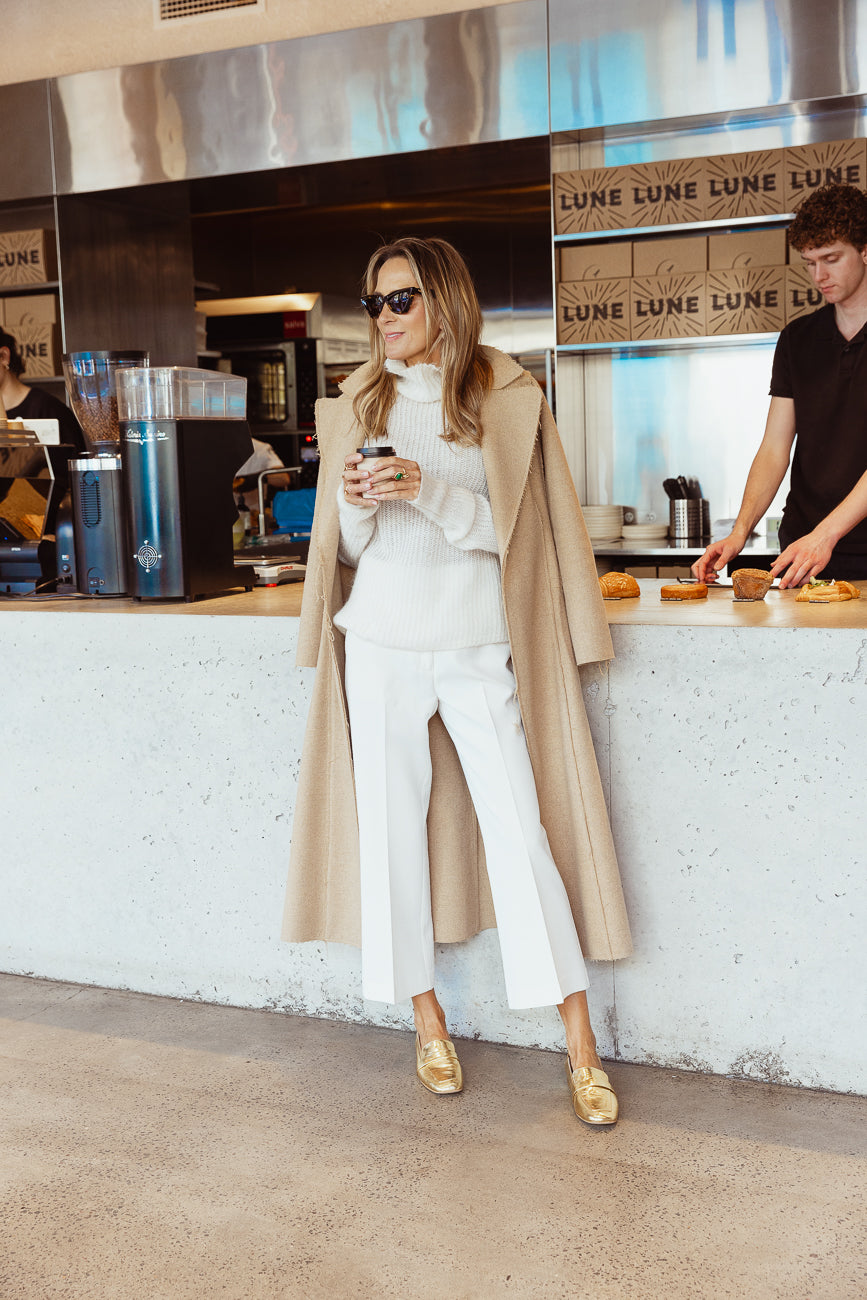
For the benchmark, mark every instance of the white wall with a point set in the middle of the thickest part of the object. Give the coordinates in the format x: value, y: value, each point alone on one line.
x: 147, y: 781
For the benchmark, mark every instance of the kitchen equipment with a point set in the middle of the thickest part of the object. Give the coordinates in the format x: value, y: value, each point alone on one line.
x: 91, y: 382
x: 284, y: 382
x: 33, y: 482
x: 99, y: 525
x: 183, y: 434
x: 96, y: 479
x: 689, y: 520
x: 272, y: 571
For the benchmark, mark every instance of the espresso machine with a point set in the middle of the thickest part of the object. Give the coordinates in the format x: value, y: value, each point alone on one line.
x: 96, y: 478
x: 183, y: 435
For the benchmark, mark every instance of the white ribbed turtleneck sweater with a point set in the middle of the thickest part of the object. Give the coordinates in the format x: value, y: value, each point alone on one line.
x: 428, y: 571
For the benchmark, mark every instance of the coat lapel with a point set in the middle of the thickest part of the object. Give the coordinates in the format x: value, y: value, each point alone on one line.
x: 511, y: 424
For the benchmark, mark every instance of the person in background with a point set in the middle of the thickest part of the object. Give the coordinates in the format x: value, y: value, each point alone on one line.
x: 819, y: 404
x: 264, y: 457
x: 25, y: 403
x: 449, y: 577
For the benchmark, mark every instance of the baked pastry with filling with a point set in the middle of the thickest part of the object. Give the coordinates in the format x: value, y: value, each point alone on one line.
x: 751, y: 584
x: 819, y: 591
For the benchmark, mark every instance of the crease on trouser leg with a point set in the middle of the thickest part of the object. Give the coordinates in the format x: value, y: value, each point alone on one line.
x: 541, y: 952
x: 389, y: 711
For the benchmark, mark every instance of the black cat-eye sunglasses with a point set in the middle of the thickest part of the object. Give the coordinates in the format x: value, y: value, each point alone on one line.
x: 400, y: 302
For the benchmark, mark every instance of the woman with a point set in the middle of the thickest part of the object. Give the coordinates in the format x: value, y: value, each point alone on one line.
x: 445, y: 582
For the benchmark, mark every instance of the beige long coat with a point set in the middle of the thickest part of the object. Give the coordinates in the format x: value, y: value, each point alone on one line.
x: 556, y: 621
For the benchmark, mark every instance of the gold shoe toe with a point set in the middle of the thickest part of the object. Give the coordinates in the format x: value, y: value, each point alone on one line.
x: 593, y: 1098
x: 437, y: 1066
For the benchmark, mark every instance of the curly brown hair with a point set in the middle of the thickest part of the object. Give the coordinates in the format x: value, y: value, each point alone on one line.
x: 831, y: 213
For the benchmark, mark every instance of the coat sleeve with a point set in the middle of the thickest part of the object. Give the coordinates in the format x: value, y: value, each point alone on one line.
x: 588, y: 626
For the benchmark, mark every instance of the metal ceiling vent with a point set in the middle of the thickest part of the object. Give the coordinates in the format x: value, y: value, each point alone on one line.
x: 170, y: 10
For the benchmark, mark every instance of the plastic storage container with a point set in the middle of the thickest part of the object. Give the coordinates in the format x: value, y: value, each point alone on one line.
x: 178, y: 393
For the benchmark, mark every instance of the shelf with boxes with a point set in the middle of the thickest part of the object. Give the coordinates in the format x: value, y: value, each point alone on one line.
x: 29, y: 300
x: 706, y: 255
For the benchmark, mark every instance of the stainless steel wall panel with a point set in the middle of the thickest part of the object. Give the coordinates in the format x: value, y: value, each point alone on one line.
x: 430, y: 83
x: 634, y: 61
x: 25, y: 142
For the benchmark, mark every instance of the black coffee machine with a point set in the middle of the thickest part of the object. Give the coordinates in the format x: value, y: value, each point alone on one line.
x: 183, y: 436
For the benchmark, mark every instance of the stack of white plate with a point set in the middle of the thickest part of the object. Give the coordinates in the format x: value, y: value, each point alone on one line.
x: 645, y: 534
x: 603, y: 522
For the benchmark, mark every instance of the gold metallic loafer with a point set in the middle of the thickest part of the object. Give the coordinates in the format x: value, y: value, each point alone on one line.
x: 437, y: 1066
x: 594, y: 1099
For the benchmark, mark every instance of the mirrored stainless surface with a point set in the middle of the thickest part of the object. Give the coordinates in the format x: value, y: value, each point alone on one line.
x: 647, y: 60
x: 454, y: 79
x: 25, y: 142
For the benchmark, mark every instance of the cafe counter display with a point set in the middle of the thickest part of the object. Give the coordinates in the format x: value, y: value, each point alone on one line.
x: 148, y: 784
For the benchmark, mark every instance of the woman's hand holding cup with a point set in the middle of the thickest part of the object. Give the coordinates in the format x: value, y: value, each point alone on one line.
x: 384, y: 476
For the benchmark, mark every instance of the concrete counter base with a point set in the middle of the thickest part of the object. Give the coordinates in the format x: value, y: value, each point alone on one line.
x: 148, y: 781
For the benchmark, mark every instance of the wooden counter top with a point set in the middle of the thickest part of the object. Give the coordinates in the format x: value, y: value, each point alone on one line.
x: 778, y: 609
x: 261, y: 602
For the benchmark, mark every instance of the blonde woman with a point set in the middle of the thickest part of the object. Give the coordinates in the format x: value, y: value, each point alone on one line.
x: 448, y: 779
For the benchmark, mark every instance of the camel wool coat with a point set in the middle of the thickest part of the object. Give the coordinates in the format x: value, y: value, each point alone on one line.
x: 556, y: 622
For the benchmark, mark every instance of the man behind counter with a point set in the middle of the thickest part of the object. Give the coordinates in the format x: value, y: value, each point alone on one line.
x: 819, y: 393
x: 24, y: 403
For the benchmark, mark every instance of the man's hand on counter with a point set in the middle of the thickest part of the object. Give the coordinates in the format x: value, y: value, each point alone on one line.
x: 802, y: 560
x: 716, y: 557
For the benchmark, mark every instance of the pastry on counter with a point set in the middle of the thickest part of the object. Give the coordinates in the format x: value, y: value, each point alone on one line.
x: 820, y: 591
x: 751, y: 584
x: 683, y: 591
x: 618, y: 586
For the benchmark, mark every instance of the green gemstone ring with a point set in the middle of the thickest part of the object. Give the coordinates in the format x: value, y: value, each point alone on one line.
x: 399, y: 475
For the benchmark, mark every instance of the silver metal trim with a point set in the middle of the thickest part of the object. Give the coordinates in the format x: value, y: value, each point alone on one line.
x: 429, y: 83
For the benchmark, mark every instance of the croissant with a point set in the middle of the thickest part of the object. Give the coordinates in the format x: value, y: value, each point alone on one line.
x: 683, y: 591
x: 751, y: 584
x: 618, y: 586
x: 828, y: 593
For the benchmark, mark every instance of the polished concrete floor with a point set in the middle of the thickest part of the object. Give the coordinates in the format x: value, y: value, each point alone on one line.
x: 158, y: 1150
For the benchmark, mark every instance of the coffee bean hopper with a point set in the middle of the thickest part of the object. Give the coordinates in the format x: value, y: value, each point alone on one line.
x: 183, y: 435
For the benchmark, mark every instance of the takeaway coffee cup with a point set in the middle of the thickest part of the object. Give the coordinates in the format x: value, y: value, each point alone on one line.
x: 369, y: 453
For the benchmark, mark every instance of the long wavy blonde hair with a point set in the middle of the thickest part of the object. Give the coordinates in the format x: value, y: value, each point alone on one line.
x: 454, y: 325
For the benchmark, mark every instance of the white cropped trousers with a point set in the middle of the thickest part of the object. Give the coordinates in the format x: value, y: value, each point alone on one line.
x: 392, y: 695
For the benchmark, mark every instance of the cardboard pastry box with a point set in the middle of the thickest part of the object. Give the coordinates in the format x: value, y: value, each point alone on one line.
x: 746, y: 248
x: 32, y: 320
x: 751, y: 300
x: 593, y: 311
x: 590, y: 200
x: 602, y: 259
x: 665, y: 193
x: 745, y: 185
x: 668, y: 255
x: 668, y: 307
x: 809, y: 166
x: 27, y: 256
x: 802, y: 296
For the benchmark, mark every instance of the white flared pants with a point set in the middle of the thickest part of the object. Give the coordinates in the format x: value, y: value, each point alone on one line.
x: 392, y: 695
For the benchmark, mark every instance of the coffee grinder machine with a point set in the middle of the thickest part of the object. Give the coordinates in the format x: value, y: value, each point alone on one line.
x: 184, y: 434
x: 96, y: 478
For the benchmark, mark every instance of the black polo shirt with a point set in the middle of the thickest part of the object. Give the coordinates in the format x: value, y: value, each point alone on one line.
x: 827, y: 377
